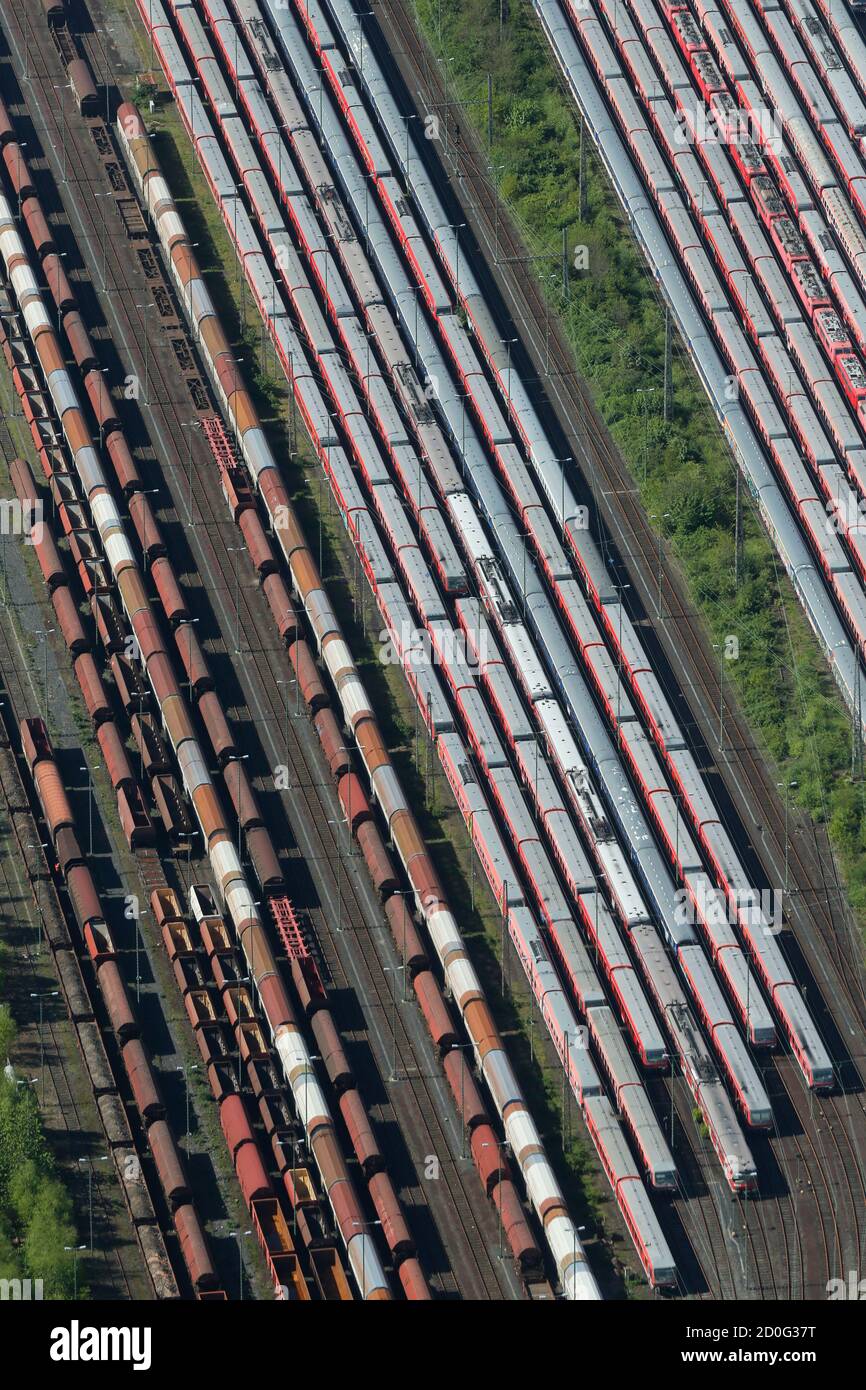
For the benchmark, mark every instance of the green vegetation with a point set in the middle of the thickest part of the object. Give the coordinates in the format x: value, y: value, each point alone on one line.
x: 8, y: 1033
x: 145, y: 90
x: 683, y: 469
x: 700, y: 1123
x: 35, y: 1209
x: 8, y: 1027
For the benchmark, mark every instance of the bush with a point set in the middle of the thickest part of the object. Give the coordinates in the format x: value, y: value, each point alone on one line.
x: 21, y: 1137
x: 47, y: 1229
x: 36, y: 1219
x: 8, y: 1033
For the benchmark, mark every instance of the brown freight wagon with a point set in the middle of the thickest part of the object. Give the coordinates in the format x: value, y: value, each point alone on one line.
x: 434, y: 1009
x: 143, y: 1082
x: 235, y: 1124
x: 397, y: 1235
x: 137, y: 826
x: 135, y: 1190
x: 123, y: 1020
x: 275, y: 1114
x: 165, y: 906
x: 214, y: 935
x: 54, y: 11
x: 194, y: 1249
x: 81, y: 81
x: 516, y: 1227
x: 115, y: 755
x: 177, y: 940
x: 77, y: 999
x: 168, y: 1164
x: 213, y: 1045
x: 83, y: 895
x: 251, y: 1174
x: 222, y: 1078
x: 69, y: 620
x: 364, y: 1141
x: 331, y: 1051
x: 330, y: 1275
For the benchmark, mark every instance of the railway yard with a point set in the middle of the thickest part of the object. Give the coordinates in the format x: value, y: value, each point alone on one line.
x: 397, y: 902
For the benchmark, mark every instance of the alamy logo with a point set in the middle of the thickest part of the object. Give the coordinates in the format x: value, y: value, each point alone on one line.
x: 729, y: 126
x: 763, y: 910
x: 410, y: 646
x: 77, y: 1343
x: 851, y: 1289
x: 21, y: 519
x: 21, y: 1290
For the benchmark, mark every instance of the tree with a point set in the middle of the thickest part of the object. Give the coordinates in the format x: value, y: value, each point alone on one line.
x: 21, y: 1136
x: 49, y: 1229
x: 8, y: 1033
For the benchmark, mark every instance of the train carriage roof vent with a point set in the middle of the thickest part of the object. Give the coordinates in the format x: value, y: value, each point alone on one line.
x: 505, y: 605
x: 708, y: 68
x: 806, y: 273
x: 833, y: 326
x: 853, y: 369
x: 337, y: 215
x: 259, y: 30
x: 596, y: 819
x: 701, y: 1063
x: 687, y: 27
x: 789, y: 237
x: 600, y: 826
x: 420, y: 405
x: 467, y: 776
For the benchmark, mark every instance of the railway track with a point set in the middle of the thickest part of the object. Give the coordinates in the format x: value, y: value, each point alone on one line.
x: 103, y: 267
x: 196, y: 125
x: 687, y: 652
x: 631, y: 538
x: 840, y: 1197
x: 334, y: 922
x: 109, y: 1268
x: 702, y: 1220
x: 761, y: 1256
x: 417, y: 1105
x: 152, y: 874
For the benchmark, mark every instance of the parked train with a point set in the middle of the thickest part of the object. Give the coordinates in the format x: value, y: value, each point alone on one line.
x: 453, y: 486
x: 233, y: 886
x: 431, y: 902
x: 71, y: 865
x: 797, y: 1026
